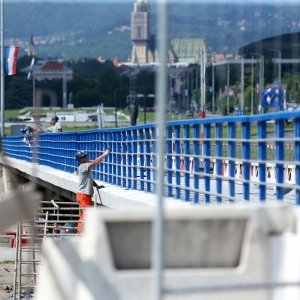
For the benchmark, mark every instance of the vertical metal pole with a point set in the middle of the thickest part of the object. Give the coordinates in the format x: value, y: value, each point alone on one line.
x: 178, y: 159
x: 2, y: 69
x: 252, y: 85
x: 279, y: 156
x: 242, y: 84
x: 202, y: 82
x: 116, y: 109
x: 213, y: 87
x: 169, y: 160
x: 186, y: 136
x: 33, y: 90
x: 135, y: 151
x: 197, y: 76
x: 262, y: 73
x: 297, y: 158
x: 161, y: 86
x: 232, y: 156
x: 191, y: 81
x: 260, y: 77
x: 228, y: 78
x: 279, y: 66
x: 219, y: 162
x: 262, y: 156
x: 246, y: 156
x: 169, y: 90
x: 196, y: 161
x: 207, y: 178
x: 144, y: 109
x: 187, y: 89
x: 142, y: 159
x: 65, y: 100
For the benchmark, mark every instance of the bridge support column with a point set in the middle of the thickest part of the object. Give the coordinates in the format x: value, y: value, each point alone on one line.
x: 10, y: 180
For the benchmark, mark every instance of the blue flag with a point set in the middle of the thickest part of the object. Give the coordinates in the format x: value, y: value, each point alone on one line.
x: 273, y: 97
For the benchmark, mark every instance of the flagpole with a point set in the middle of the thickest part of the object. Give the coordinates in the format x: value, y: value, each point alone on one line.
x: 2, y: 69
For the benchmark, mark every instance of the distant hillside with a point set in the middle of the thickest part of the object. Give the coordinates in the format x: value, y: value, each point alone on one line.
x: 90, y: 30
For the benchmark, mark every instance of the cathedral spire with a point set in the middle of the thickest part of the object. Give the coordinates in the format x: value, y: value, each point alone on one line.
x: 140, y: 31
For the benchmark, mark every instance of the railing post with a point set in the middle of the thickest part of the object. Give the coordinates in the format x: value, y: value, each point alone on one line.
x: 114, y: 158
x: 187, y: 161
x: 219, y: 162
x: 196, y: 161
x: 101, y: 147
x: 124, y: 161
x: 142, y: 159
x: 246, y: 156
x: 148, y: 160
x: 135, y: 159
x: 279, y: 156
x: 297, y: 157
x: 129, y: 153
x: 232, y: 157
x: 119, y: 157
x: 178, y: 160
x: 207, y: 162
x: 154, y: 159
x: 108, y: 166
x: 262, y: 156
x: 169, y: 160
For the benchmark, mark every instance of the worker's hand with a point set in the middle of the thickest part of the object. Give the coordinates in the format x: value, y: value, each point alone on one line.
x: 107, y: 151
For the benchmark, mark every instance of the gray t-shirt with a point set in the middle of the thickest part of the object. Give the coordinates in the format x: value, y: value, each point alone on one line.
x: 85, y: 179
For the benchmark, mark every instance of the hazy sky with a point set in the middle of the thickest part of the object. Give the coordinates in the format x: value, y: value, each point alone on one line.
x: 280, y: 2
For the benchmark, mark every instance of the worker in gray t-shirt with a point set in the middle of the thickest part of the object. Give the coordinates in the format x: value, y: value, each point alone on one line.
x: 86, y: 182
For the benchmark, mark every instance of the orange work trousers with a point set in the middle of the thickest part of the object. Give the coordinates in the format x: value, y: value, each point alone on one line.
x: 83, y: 201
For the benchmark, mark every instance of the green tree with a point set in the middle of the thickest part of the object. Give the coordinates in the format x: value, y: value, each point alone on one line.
x: 107, y: 83
x: 87, y: 97
x: 222, y: 105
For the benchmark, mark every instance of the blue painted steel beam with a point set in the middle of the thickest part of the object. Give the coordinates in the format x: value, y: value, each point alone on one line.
x: 207, y: 135
x: 262, y: 157
x: 219, y: 160
x: 246, y: 156
x: 279, y: 156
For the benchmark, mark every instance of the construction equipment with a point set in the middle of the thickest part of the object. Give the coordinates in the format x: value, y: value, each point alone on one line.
x: 98, y: 188
x: 57, y: 218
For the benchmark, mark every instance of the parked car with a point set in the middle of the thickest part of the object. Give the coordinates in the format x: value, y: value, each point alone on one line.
x: 26, y: 119
x: 13, y: 120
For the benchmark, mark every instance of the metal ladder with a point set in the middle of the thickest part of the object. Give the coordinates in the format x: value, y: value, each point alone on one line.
x: 57, y: 218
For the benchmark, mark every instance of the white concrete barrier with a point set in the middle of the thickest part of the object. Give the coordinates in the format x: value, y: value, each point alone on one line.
x: 213, y: 252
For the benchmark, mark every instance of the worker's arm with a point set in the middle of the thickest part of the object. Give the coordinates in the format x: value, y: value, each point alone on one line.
x: 99, y: 159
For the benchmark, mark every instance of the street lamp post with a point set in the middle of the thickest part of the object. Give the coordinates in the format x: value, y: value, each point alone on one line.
x: 252, y: 85
x: 202, y: 77
x: 279, y: 63
x: 261, y: 71
x: 242, y: 84
x: 149, y: 96
x: 140, y: 96
x: 228, y: 78
x: 213, y: 83
x: 116, y: 109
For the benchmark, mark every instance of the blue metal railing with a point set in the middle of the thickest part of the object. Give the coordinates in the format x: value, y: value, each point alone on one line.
x: 215, y: 159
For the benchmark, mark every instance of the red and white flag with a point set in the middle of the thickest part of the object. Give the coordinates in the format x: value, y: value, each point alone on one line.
x: 11, y: 59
